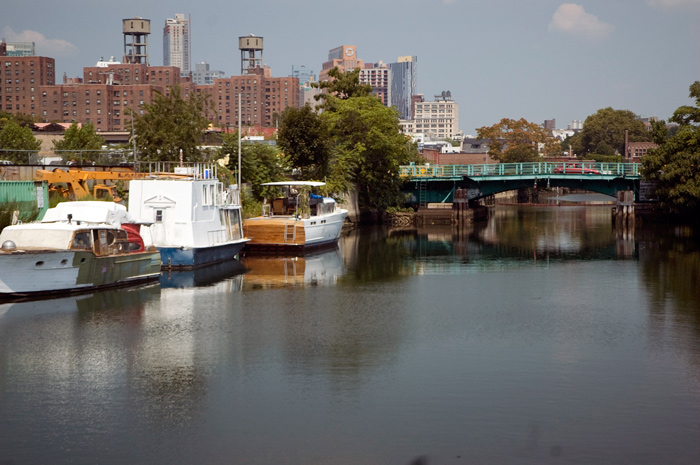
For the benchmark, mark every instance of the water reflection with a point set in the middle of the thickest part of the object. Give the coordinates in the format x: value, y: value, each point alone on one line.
x: 230, y: 271
x: 532, y: 342
x: 320, y: 268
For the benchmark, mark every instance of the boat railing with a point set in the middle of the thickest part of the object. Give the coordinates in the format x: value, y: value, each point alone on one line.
x: 230, y: 195
x: 194, y: 170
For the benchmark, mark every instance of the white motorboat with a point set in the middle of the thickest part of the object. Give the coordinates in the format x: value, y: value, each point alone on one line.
x: 298, y: 220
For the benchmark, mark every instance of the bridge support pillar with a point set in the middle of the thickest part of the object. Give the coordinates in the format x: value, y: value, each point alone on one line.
x: 623, y: 214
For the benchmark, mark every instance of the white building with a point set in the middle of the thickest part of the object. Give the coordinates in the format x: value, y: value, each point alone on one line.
x: 438, y: 119
x: 176, y: 43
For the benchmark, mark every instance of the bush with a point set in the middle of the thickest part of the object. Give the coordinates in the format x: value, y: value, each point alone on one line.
x: 8, y: 211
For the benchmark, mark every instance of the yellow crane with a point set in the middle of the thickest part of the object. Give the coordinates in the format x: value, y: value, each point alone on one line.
x: 73, y: 184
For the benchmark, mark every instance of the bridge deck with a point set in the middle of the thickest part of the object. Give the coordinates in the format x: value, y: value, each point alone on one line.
x: 501, y: 171
x: 438, y: 183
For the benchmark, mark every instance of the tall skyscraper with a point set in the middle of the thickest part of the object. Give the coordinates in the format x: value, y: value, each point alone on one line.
x: 176, y: 43
x: 343, y: 57
x: 403, y: 84
x: 378, y: 76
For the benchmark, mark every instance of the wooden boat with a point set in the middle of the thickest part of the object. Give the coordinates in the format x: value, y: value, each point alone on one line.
x: 296, y: 221
x: 77, y: 247
x: 196, y: 220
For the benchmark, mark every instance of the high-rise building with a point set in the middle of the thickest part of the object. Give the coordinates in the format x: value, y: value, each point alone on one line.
x: 344, y: 58
x: 304, y: 74
x: 403, y: 84
x: 262, y: 97
x: 378, y: 76
x: 22, y: 93
x: 176, y: 43
x: 202, y: 75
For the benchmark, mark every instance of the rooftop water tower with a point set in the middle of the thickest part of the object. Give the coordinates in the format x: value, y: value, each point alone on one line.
x: 136, y: 31
x: 251, y: 48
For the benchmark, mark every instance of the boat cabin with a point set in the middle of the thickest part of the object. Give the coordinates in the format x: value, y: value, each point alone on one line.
x: 298, y: 200
x: 100, y: 240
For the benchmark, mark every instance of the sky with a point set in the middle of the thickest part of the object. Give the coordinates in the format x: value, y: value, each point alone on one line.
x: 532, y: 59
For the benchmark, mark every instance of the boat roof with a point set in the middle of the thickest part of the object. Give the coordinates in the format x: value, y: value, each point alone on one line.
x: 88, y: 212
x: 295, y: 183
x: 58, y: 226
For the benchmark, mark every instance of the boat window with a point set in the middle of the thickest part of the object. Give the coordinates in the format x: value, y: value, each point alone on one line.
x: 81, y: 241
x: 208, y: 194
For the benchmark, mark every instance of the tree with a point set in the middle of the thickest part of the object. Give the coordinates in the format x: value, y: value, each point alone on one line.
x: 260, y: 163
x: 17, y: 143
x: 84, y: 140
x: 354, y: 143
x: 604, y: 133
x: 367, y: 149
x: 22, y: 119
x: 304, y: 138
x: 171, y: 124
x: 675, y: 164
x: 344, y: 85
x: 515, y: 141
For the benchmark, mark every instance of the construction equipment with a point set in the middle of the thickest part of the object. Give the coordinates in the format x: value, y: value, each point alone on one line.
x: 74, y: 184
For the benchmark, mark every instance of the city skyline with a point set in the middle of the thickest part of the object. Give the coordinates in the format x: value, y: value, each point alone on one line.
x: 540, y: 60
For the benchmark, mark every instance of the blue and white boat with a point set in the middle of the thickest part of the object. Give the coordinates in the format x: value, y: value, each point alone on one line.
x: 196, y: 219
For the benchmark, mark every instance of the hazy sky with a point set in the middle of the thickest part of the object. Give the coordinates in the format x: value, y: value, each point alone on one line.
x: 536, y: 59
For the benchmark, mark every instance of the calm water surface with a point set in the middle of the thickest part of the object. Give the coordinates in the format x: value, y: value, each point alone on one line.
x: 542, y: 336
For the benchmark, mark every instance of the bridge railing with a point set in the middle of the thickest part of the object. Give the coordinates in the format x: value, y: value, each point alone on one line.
x: 520, y: 169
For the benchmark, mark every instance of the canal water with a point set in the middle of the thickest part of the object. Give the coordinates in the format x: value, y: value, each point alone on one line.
x: 541, y: 336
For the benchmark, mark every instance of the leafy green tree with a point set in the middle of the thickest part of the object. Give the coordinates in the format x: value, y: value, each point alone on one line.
x: 342, y: 86
x: 260, y: 163
x: 367, y: 150
x: 675, y: 164
x: 304, y: 138
x: 80, y: 142
x: 170, y: 124
x: 16, y: 142
x: 515, y: 141
x: 20, y: 118
x: 604, y: 132
x: 354, y: 143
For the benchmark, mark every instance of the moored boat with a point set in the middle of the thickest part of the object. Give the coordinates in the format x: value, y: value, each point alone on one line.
x: 296, y: 221
x: 77, y: 247
x: 196, y: 219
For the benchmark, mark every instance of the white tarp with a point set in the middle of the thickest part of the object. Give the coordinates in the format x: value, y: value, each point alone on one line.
x: 89, y: 212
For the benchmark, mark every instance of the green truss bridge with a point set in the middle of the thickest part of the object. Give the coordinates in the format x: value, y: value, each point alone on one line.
x: 438, y: 183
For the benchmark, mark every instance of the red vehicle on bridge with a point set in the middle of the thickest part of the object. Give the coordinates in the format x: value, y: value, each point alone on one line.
x: 575, y: 168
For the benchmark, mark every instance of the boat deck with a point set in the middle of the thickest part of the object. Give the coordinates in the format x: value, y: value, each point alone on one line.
x: 274, y: 231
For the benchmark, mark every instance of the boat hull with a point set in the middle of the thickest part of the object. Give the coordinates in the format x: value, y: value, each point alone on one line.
x: 29, y: 273
x: 189, y: 258
x: 279, y: 233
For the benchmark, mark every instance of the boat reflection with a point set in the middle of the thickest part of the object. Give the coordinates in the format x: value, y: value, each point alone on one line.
x: 116, y: 300
x: 321, y: 268
x: 205, y: 276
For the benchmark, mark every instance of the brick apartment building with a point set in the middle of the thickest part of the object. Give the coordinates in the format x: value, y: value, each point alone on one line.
x: 262, y: 96
x: 22, y: 78
x: 105, y: 93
